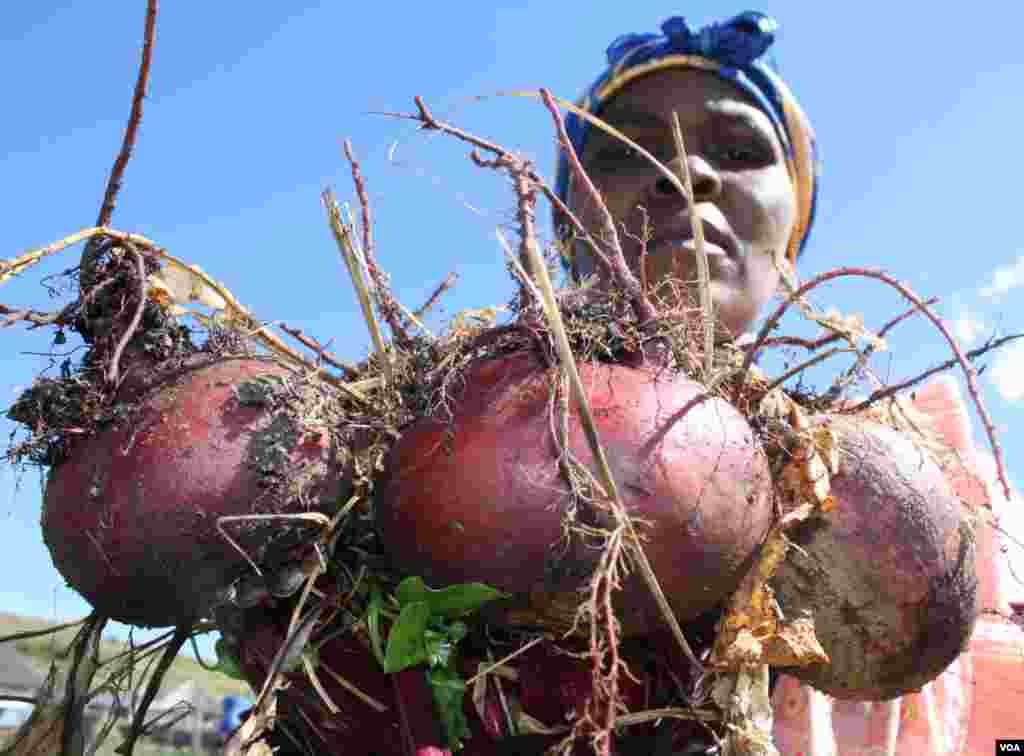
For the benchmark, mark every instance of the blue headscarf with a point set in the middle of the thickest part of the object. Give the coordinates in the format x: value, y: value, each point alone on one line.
x: 732, y: 49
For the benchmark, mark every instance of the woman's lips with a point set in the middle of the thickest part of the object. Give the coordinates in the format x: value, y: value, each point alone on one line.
x: 720, y: 262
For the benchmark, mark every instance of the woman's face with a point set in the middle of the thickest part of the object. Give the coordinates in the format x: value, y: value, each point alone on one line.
x: 742, y: 190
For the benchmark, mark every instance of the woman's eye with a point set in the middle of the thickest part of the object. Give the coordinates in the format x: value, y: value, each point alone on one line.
x: 739, y: 154
x: 618, y: 154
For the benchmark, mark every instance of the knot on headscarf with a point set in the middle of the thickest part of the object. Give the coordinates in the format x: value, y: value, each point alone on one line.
x: 737, y: 42
x: 733, y: 49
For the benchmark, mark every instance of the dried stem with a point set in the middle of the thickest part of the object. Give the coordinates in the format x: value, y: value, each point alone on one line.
x: 39, y: 633
x: 114, y: 368
x: 350, y: 370
x: 804, y: 365
x: 199, y: 656
x: 127, y: 144
x: 86, y: 650
x: 238, y: 311
x: 181, y: 634
x: 385, y: 300
x: 367, y: 699
x: 428, y: 121
x: 56, y: 724
x: 21, y: 263
x: 969, y: 372
x: 528, y: 291
x: 540, y: 273
x: 620, y: 271
x: 35, y: 318
x: 314, y: 680
x: 135, y: 651
x: 812, y: 345
x: 439, y: 292
x: 887, y: 391
x: 293, y: 645
x: 703, y: 269
x: 346, y: 246
x: 903, y: 316
x: 504, y: 660
x: 134, y: 119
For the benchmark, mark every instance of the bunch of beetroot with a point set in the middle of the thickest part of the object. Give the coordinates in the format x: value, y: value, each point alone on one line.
x: 453, y: 516
x: 501, y: 539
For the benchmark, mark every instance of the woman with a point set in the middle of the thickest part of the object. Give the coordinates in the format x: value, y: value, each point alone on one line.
x: 752, y: 159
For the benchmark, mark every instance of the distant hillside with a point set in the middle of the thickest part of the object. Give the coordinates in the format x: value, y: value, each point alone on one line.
x: 39, y: 652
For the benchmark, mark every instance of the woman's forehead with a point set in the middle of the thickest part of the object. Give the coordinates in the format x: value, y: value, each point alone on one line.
x: 647, y: 100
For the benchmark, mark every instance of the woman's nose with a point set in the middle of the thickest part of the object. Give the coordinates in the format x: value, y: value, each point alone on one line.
x: 707, y: 184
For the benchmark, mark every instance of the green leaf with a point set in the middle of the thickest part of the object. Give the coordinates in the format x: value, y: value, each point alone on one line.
x: 439, y: 648
x: 411, y: 589
x: 227, y: 662
x: 453, y: 601
x: 449, y: 690
x: 406, y: 643
x: 373, y: 625
x: 457, y: 631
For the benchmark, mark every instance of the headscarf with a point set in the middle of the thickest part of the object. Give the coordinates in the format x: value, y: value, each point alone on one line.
x: 732, y: 49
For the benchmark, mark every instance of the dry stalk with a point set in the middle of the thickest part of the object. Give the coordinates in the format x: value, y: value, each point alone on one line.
x: 239, y: 314
x: 40, y: 633
x: 134, y: 652
x: 515, y: 263
x: 113, y: 370
x: 435, y: 296
x: 386, y: 303
x: 367, y: 699
x: 56, y: 724
x: 35, y: 318
x: 138, y: 728
x: 606, y: 576
x: 314, y: 680
x: 808, y: 363
x: 654, y: 715
x: 21, y: 263
x: 969, y: 372
x: 888, y: 391
x: 619, y: 268
x: 128, y: 143
x: 495, y: 666
x: 703, y: 269
x: 428, y: 121
x: 350, y: 370
x: 349, y: 253
x: 292, y: 646
x: 812, y: 345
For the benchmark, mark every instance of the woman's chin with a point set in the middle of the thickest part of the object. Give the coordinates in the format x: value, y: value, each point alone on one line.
x: 733, y: 315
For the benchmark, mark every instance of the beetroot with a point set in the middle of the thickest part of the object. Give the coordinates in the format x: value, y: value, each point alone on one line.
x: 357, y: 729
x: 480, y: 498
x: 130, y: 515
x: 888, y: 574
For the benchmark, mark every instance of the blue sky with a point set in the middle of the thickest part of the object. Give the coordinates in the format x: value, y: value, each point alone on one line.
x: 917, y: 113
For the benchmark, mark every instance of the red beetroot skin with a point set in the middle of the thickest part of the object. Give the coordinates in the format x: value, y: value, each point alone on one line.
x: 357, y: 729
x: 481, y: 498
x: 554, y: 687
x: 130, y: 516
x: 888, y: 574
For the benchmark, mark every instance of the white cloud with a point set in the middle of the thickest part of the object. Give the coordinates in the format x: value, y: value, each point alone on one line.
x: 968, y: 328
x: 1007, y: 373
x: 1003, y: 279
